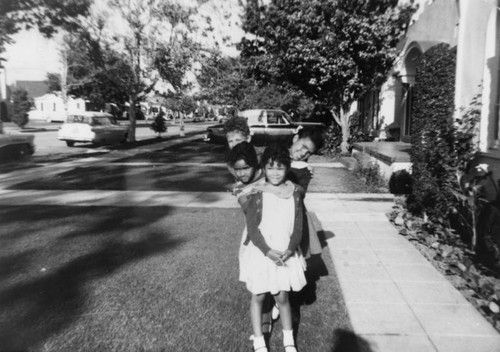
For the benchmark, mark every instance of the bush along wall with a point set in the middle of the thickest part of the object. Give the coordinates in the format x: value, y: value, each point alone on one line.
x: 442, y: 213
x: 432, y: 153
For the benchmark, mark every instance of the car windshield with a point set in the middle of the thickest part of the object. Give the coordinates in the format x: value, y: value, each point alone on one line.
x: 79, y: 119
x: 91, y: 120
x: 101, y: 121
x: 277, y: 117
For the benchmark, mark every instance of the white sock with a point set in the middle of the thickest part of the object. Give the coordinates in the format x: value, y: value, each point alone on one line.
x: 258, y: 342
x: 288, y: 338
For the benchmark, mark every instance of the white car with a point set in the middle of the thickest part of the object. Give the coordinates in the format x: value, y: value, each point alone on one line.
x: 94, y: 127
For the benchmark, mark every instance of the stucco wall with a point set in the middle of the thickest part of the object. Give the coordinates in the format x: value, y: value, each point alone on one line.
x: 437, y: 23
x: 471, y: 48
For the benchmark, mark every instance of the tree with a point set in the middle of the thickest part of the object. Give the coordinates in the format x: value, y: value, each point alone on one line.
x: 333, y: 51
x: 53, y: 81
x: 222, y: 79
x: 158, y: 124
x: 19, y: 107
x: 122, y: 66
x: 93, y: 69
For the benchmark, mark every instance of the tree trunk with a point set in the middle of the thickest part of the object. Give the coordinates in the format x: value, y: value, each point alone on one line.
x: 344, y: 121
x: 64, y: 81
x: 131, y: 117
x: 181, y: 125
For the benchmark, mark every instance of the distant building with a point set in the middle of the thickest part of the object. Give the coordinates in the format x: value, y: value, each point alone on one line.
x: 473, y: 27
x: 50, y: 107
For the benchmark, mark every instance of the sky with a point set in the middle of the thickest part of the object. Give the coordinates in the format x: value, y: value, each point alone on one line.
x: 32, y: 56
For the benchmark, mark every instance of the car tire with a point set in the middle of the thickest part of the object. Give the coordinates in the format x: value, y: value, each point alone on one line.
x: 25, y: 151
x: 70, y: 143
x: 124, y: 140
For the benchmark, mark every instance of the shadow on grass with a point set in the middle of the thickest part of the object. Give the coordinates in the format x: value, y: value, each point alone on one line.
x: 148, y: 175
x: 347, y: 341
x: 183, y: 178
x: 5, y: 168
x: 188, y: 151
x: 37, y: 303
x: 151, y: 141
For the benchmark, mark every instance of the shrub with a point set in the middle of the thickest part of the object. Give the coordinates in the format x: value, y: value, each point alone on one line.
x: 19, y: 107
x: 369, y: 172
x: 333, y: 135
x: 400, y: 182
x: 158, y: 124
x: 433, y: 156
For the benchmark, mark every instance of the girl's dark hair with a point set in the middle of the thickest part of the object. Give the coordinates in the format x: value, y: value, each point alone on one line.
x: 314, y: 134
x: 243, y: 151
x: 276, y: 153
x: 237, y: 123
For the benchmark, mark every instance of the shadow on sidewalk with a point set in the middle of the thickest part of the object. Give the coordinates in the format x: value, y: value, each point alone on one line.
x: 348, y: 341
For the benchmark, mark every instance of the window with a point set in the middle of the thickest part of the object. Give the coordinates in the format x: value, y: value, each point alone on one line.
x: 78, y: 119
x: 272, y: 118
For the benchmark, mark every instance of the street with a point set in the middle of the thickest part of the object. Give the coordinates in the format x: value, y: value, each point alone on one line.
x: 46, y: 141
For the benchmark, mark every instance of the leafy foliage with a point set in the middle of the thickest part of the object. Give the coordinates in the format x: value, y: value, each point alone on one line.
x: 446, y: 189
x: 400, y: 182
x: 53, y: 82
x: 333, y: 51
x: 19, y: 107
x: 334, y: 135
x: 370, y: 173
x: 158, y: 124
x: 443, y: 247
x: 222, y: 79
x: 109, y: 66
x: 433, y: 155
x: 94, y: 71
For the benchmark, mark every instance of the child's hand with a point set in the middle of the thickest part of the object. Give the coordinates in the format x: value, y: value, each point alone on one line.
x: 276, y: 257
x: 287, y: 254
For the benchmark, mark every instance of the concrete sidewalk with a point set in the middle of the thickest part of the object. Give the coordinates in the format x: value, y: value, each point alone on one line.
x: 396, y: 299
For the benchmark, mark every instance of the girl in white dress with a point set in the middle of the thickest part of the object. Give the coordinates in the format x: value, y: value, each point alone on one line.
x: 271, y: 262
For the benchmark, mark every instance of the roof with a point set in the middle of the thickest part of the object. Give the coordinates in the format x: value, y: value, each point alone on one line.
x: 90, y: 113
x: 34, y: 88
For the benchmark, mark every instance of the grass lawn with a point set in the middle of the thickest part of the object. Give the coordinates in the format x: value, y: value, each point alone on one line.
x: 138, y: 279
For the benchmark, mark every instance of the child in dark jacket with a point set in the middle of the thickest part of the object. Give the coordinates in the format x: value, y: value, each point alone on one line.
x: 272, y: 262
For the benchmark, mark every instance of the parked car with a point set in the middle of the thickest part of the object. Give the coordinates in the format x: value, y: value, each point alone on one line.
x: 16, y: 146
x: 199, y: 118
x: 91, y: 126
x: 266, y: 126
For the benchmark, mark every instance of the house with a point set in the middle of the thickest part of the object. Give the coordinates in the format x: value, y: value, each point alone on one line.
x: 473, y: 27
x: 50, y: 107
x: 34, y: 88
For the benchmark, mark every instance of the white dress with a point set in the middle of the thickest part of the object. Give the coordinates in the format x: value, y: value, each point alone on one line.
x: 260, y: 273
